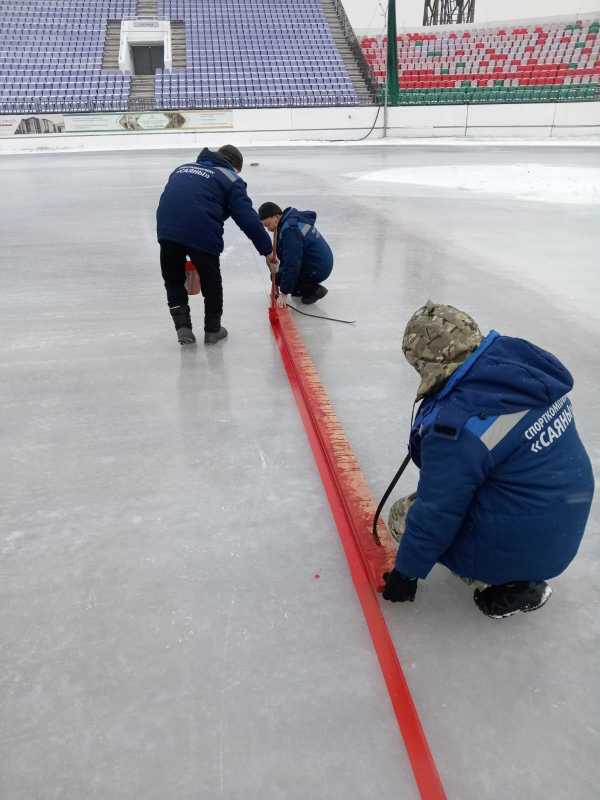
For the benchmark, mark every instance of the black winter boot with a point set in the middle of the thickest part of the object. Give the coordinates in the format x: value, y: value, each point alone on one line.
x: 213, y: 330
x: 183, y: 324
x: 212, y: 337
x: 311, y: 294
x: 506, y: 599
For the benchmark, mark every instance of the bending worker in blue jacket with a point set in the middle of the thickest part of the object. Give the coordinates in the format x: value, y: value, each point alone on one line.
x: 305, y: 258
x: 195, y: 203
x: 505, y: 484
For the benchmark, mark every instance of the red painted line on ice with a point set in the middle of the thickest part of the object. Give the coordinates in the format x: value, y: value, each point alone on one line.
x: 353, y: 507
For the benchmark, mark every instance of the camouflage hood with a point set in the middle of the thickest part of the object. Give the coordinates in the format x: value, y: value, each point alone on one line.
x: 437, y: 340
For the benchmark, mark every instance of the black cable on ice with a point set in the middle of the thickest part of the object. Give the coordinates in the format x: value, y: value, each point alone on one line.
x: 320, y: 316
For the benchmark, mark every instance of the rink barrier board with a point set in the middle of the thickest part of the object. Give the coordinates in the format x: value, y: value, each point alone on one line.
x: 352, y: 507
x: 544, y: 121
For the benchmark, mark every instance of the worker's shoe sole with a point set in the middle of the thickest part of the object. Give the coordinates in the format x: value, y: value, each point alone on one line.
x: 501, y: 601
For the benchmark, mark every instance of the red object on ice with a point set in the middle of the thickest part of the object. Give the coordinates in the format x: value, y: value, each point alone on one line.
x: 192, y: 279
x: 353, y: 507
x: 349, y: 495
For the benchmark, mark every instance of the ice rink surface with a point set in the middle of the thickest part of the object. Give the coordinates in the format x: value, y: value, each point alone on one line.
x: 176, y: 615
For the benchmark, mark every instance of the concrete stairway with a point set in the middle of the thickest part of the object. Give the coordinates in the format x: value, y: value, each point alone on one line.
x: 112, y: 42
x: 178, y: 45
x: 141, y: 94
x: 146, y: 9
x: 348, y: 48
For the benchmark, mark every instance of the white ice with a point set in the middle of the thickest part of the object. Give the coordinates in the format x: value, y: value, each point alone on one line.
x: 540, y: 182
x: 163, y: 635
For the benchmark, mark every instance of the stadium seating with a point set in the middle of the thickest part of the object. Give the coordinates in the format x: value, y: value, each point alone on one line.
x: 549, y: 61
x: 51, y: 56
x: 253, y: 53
x: 239, y: 53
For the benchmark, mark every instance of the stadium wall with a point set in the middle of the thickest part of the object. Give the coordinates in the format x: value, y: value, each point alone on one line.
x: 244, y: 126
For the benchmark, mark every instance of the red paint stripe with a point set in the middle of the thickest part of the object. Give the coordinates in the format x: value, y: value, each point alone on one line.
x: 319, y: 422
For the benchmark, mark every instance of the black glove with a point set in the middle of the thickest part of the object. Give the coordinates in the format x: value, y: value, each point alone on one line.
x: 399, y: 588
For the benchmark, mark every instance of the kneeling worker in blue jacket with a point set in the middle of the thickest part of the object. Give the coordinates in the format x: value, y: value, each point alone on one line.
x: 195, y: 203
x: 305, y: 258
x: 505, y: 484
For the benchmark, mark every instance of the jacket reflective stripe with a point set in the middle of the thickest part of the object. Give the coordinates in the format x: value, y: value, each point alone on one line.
x: 501, y: 428
x: 304, y: 229
x: 228, y: 173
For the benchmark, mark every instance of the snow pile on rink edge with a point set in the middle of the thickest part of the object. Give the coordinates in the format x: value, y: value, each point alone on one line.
x: 536, y: 182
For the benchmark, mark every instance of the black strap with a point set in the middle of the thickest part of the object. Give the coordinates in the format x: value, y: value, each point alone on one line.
x: 320, y: 316
x: 387, y: 493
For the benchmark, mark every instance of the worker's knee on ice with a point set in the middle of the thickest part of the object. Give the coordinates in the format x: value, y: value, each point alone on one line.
x: 397, y: 516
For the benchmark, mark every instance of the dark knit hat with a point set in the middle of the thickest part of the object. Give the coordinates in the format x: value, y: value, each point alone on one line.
x: 269, y: 210
x: 233, y: 155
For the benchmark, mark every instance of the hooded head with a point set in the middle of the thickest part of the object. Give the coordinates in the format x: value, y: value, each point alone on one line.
x: 437, y: 340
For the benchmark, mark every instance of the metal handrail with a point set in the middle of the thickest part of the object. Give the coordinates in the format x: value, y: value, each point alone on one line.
x: 320, y: 99
x: 226, y: 102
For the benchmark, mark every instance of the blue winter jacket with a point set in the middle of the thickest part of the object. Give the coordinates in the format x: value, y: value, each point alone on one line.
x: 304, y: 255
x: 506, y: 485
x: 197, y: 200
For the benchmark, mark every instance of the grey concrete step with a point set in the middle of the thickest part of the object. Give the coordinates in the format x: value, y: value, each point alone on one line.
x: 112, y: 43
x: 141, y: 89
x: 178, y: 45
x: 146, y: 8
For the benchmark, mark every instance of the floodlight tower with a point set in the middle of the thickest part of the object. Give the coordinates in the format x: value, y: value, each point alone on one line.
x: 448, y: 12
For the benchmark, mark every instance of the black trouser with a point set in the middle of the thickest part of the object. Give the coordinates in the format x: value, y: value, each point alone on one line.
x: 172, y: 265
x: 310, y: 277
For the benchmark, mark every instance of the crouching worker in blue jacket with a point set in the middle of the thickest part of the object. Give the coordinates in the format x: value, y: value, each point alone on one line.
x: 195, y: 203
x: 305, y: 258
x: 505, y: 484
